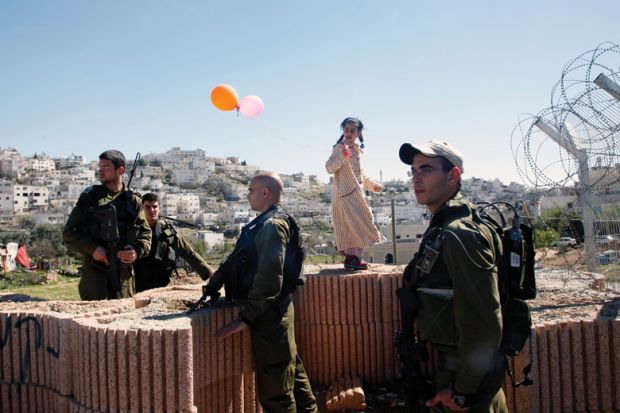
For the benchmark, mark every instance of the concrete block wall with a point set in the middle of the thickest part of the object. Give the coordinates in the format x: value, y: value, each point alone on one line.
x: 345, y: 326
x: 576, y: 368
x: 132, y: 370
x: 37, y: 353
x: 112, y: 357
x: 224, y: 378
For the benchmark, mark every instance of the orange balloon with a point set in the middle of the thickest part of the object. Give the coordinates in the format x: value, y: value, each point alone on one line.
x: 224, y: 97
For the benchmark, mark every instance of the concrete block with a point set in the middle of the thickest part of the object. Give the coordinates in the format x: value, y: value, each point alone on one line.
x: 346, y: 394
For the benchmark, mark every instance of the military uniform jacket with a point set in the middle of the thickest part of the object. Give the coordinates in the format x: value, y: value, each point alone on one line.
x: 167, y: 245
x: 132, y: 226
x: 270, y: 316
x: 460, y: 304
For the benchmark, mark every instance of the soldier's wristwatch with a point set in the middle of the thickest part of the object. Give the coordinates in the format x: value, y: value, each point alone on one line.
x: 459, y: 399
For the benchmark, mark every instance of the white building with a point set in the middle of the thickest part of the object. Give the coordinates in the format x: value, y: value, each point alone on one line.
x: 29, y: 197
x: 39, y: 163
x: 71, y: 161
x: 210, y: 238
x: 183, y: 176
x: 11, y: 162
x: 181, y: 203
x: 39, y: 218
x: 6, y: 197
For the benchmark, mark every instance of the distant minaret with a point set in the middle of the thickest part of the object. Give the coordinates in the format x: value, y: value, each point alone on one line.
x: 381, y: 176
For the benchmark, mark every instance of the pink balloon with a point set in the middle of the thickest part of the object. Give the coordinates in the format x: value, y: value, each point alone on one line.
x: 251, y: 106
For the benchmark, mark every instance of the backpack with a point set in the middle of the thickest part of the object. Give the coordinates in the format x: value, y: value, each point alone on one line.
x: 294, y: 257
x: 516, y: 278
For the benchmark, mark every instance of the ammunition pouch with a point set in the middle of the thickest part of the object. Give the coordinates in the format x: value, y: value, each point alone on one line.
x: 166, y: 255
x: 517, y: 326
x: 436, y: 316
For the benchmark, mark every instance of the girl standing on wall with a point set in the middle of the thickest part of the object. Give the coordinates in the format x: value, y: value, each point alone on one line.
x: 352, y: 219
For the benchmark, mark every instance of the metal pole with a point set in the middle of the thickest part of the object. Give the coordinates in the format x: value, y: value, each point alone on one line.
x: 584, y: 195
x: 394, y: 233
x: 608, y: 85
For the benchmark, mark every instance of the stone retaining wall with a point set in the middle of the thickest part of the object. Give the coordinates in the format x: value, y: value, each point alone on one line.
x: 112, y: 357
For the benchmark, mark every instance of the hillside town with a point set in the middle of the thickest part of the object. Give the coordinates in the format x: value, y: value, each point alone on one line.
x: 209, y: 192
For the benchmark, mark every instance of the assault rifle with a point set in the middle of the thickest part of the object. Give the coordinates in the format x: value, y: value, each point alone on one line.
x: 133, y: 169
x: 207, y: 292
x: 411, y: 353
x: 182, y: 223
x: 226, y: 276
x: 106, y: 216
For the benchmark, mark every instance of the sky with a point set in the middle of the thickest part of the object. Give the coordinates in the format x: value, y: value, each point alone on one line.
x: 85, y: 76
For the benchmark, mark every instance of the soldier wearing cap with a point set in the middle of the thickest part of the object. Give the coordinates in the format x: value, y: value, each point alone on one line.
x: 455, y: 278
x: 88, y: 232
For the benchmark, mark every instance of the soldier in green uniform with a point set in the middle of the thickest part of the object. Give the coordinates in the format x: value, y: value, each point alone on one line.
x: 167, y: 245
x: 108, y: 227
x: 283, y: 385
x: 455, y: 278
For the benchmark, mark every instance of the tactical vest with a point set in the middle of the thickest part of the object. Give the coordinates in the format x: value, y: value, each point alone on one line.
x: 165, y: 251
x: 243, y: 261
x: 127, y: 211
x: 430, y: 278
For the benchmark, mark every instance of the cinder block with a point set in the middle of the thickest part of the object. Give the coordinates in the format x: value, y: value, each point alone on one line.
x: 186, y: 390
x: 112, y: 370
x: 604, y: 344
x: 578, y: 368
x: 134, y: 367
x: 395, y: 282
x: 170, y: 350
x: 102, y: 363
x: 146, y: 370
x: 555, y: 382
x: 590, y: 367
x: 343, y: 297
x: 122, y: 350
x: 543, y: 368
x: 346, y: 394
x: 566, y: 367
x: 615, y: 334
x: 330, y: 302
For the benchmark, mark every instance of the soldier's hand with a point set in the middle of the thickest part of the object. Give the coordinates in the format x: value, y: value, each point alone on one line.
x: 128, y: 255
x: 445, y: 397
x: 101, y: 255
x: 231, y: 328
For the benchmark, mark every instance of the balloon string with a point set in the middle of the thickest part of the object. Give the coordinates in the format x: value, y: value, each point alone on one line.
x: 270, y: 134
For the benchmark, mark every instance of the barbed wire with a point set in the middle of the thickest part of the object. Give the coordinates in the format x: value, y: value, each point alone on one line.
x: 583, y: 112
x: 572, y: 147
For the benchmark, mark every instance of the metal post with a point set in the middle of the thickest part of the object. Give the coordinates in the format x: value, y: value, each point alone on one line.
x: 608, y: 85
x: 584, y: 196
x: 394, y: 233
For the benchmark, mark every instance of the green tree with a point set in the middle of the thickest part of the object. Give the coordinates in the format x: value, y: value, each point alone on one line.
x: 42, y: 248
x: 545, y: 237
x: 200, y: 247
x: 556, y: 218
x: 52, y: 233
x: 18, y: 236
